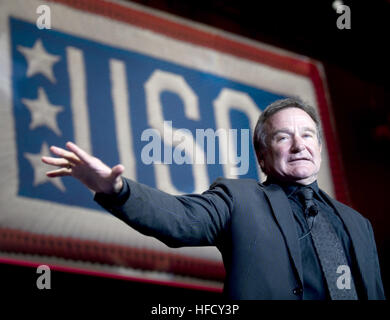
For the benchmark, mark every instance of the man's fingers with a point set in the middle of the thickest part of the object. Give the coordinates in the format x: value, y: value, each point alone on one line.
x: 84, y: 156
x: 65, y: 154
x: 60, y: 162
x: 63, y: 172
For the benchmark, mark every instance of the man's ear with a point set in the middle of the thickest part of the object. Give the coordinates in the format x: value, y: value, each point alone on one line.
x: 261, y: 162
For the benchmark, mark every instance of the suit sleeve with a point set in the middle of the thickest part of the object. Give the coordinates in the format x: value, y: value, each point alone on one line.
x: 186, y: 220
x: 378, y: 279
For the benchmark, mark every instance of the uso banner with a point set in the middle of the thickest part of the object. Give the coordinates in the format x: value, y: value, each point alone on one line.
x: 138, y: 87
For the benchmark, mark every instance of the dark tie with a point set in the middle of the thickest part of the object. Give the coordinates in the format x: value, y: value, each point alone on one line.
x: 329, y: 249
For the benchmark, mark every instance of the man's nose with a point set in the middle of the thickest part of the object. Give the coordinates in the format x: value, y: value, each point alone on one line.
x: 298, y: 144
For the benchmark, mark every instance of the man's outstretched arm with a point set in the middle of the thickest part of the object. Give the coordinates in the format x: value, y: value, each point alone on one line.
x: 189, y: 220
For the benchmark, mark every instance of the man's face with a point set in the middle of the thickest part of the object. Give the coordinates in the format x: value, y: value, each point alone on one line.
x: 293, y: 152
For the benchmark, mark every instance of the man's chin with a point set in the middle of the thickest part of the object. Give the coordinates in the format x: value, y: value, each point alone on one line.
x: 305, y: 179
x: 302, y: 176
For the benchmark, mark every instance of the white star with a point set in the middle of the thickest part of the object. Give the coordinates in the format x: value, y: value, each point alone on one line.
x: 43, y: 113
x: 39, y: 60
x: 40, y: 168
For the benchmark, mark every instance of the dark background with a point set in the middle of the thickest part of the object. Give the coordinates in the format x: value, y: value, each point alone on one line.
x: 356, y: 67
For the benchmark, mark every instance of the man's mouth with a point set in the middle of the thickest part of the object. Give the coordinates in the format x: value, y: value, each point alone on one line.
x: 300, y: 159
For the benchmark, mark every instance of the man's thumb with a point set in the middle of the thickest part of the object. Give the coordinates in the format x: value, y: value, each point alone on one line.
x: 117, y: 170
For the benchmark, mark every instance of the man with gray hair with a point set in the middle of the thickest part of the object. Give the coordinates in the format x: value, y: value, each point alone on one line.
x: 283, y: 239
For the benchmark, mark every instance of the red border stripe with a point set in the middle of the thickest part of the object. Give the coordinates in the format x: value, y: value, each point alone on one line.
x: 60, y: 268
x: 12, y: 240
x: 187, y: 33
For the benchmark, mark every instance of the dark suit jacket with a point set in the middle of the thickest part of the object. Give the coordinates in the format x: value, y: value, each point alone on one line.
x: 253, y: 227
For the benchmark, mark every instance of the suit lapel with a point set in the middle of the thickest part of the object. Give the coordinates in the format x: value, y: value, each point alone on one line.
x: 284, y: 216
x: 357, y: 235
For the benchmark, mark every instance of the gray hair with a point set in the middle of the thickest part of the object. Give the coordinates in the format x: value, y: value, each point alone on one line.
x: 260, y: 133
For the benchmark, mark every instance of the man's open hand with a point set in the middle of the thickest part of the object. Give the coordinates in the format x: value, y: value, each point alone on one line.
x: 91, y: 171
